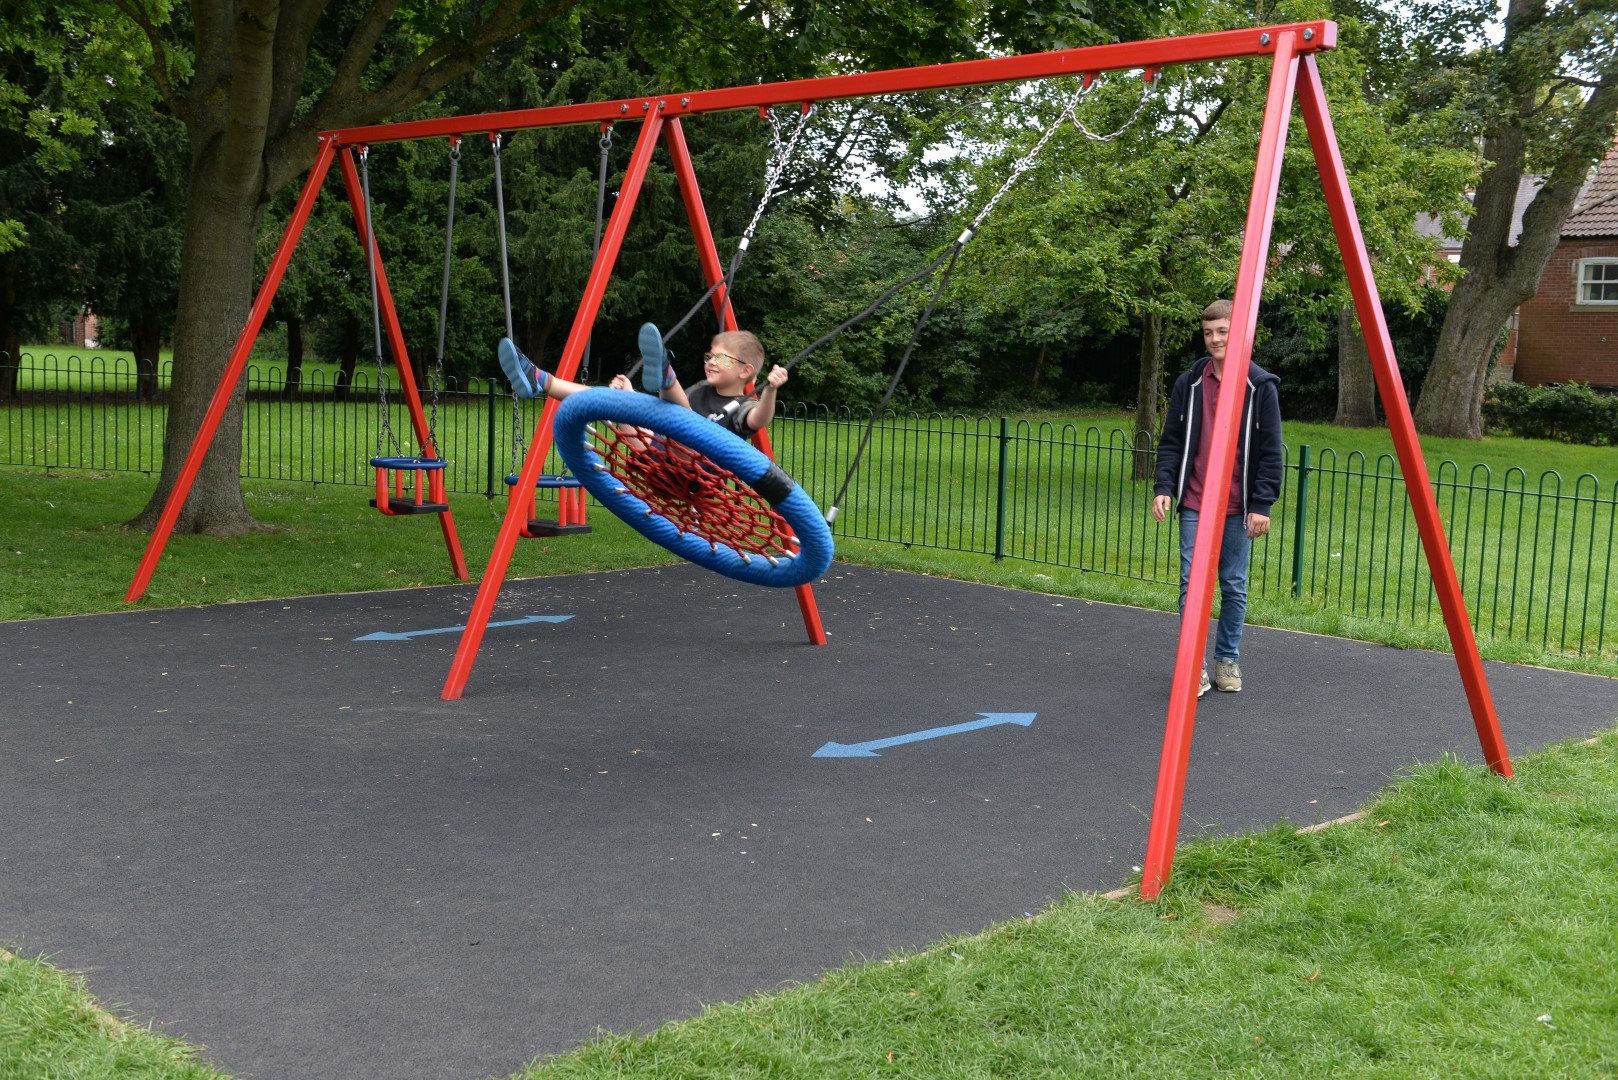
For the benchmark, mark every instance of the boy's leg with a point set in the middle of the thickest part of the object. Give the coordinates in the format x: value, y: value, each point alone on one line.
x: 527, y: 379
x: 1235, y: 554
x: 656, y: 373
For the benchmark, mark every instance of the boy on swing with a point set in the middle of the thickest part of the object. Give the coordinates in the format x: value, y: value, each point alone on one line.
x: 1182, y: 466
x: 732, y: 360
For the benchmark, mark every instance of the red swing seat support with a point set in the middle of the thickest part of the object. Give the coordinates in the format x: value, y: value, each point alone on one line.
x: 425, y: 494
x: 570, y: 503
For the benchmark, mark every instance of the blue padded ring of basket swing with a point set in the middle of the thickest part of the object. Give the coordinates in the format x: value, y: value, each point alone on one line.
x: 733, y: 454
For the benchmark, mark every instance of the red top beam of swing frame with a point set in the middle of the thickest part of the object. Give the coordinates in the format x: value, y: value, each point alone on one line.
x: 1094, y: 59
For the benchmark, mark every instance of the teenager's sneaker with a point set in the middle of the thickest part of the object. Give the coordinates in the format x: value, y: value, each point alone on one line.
x: 1227, y: 676
x: 656, y: 373
x: 527, y: 381
x: 1205, y: 685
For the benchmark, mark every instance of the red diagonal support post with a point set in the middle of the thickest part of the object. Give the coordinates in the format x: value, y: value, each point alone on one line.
x: 1401, y: 425
x: 511, y: 525
x: 233, y: 371
x: 1165, y: 824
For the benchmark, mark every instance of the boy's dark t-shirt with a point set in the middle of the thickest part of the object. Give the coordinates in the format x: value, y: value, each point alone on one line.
x: 710, y: 403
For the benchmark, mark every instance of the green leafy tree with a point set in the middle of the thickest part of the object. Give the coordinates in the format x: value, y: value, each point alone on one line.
x: 254, y: 81
x: 1544, y: 102
x: 124, y: 206
x: 1143, y: 230
x: 59, y: 67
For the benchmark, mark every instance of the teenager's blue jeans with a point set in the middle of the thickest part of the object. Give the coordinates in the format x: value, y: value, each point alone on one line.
x: 1234, y: 552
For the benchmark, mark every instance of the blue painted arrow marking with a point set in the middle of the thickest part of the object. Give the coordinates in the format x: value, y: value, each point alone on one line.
x: 383, y: 635
x: 870, y: 748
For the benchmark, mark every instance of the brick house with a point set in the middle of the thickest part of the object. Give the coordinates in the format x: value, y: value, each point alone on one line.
x: 1569, y: 330
x: 83, y: 330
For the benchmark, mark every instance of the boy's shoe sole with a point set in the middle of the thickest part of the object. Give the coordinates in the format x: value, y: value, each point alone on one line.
x: 519, y: 371
x: 653, y: 362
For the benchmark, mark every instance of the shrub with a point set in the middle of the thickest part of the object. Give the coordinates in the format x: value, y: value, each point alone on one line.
x: 1567, y: 412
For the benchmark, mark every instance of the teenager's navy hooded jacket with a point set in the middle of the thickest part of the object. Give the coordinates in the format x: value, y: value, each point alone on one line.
x: 1258, y: 447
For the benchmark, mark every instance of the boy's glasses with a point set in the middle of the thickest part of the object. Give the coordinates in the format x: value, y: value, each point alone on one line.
x: 720, y: 360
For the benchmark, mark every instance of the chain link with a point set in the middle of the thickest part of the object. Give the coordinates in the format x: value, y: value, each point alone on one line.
x: 385, y: 439
x: 780, y: 158
x: 1069, y: 112
x: 1148, y: 84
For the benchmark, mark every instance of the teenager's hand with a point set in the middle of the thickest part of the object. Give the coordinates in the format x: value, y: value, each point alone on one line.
x: 621, y: 381
x: 1160, y: 507
x: 1257, y: 526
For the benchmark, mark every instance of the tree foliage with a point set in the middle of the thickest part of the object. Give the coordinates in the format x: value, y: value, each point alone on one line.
x: 1543, y: 101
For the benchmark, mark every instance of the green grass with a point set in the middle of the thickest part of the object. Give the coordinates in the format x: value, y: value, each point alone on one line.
x: 51, y: 1027
x: 68, y: 552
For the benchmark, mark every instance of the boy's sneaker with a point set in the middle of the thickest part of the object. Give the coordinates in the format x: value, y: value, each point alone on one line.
x: 527, y: 381
x: 656, y: 373
x: 1228, y: 676
x: 1205, y: 685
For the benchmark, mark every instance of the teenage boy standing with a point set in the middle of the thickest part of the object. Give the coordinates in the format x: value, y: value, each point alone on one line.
x: 1182, y: 462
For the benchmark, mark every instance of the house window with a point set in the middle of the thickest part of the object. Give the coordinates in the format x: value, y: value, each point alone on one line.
x: 1598, y: 281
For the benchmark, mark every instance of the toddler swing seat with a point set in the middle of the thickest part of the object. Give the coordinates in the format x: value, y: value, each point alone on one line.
x: 569, y: 506
x: 425, y: 495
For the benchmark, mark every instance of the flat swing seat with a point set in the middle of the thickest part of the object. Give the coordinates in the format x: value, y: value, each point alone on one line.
x: 426, y: 494
x: 569, y: 506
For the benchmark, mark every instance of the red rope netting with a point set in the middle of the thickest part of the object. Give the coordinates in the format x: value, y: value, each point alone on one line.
x: 696, y: 495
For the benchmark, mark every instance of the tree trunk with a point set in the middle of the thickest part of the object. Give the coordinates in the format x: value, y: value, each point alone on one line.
x: 1039, y: 365
x: 146, y: 341
x: 10, y: 332
x: 348, y: 358
x: 216, y: 282
x: 1451, y: 402
x: 1356, y: 388
x: 294, y: 357
x: 1147, y: 392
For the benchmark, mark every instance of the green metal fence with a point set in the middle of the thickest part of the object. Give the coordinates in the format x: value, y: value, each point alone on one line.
x: 1535, y: 555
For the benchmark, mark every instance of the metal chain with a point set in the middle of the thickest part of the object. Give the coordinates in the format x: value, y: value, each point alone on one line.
x: 436, y: 376
x: 495, y: 139
x: 605, y: 142
x: 1070, y: 111
x: 779, y: 160
x: 1148, y: 84
x: 385, y: 429
x: 519, y: 441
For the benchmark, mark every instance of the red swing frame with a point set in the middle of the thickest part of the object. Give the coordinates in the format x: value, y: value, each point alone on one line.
x: 1293, y: 74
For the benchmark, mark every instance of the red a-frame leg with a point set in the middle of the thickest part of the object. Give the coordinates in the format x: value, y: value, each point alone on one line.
x: 713, y: 272
x: 1285, y: 77
x: 232, y: 373
x: 1401, y: 425
x: 1165, y: 825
